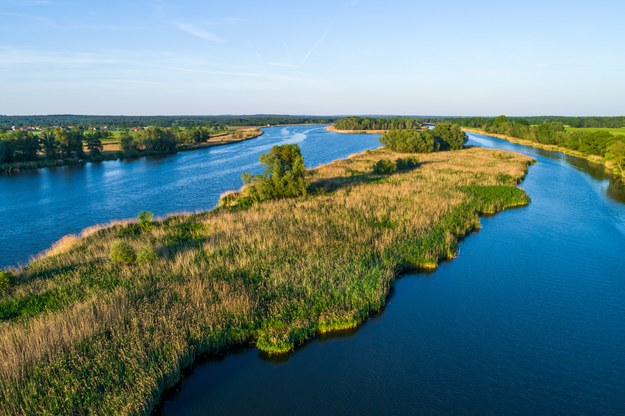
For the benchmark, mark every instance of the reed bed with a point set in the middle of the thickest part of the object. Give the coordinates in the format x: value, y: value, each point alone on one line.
x: 81, y: 334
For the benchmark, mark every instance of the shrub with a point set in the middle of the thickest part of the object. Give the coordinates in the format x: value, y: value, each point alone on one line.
x: 145, y: 220
x: 5, y: 280
x: 147, y: 255
x: 122, y: 253
x: 384, y: 167
x: 407, y: 163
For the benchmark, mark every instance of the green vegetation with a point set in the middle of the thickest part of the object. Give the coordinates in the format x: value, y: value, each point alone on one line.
x: 284, y: 177
x: 58, y: 146
x: 369, y: 123
x: 617, y: 131
x: 444, y: 136
x: 146, y: 255
x: 145, y: 220
x: 126, y: 122
x: 407, y: 163
x: 122, y: 253
x: 384, y: 167
x: 615, y: 153
x: 83, y: 334
x: 409, y: 141
x: 574, y: 122
x: 588, y: 142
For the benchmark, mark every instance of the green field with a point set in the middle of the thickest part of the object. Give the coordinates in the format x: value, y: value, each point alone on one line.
x: 619, y: 130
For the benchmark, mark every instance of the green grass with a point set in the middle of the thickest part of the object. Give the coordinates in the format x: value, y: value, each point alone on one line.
x: 615, y: 131
x: 80, y: 333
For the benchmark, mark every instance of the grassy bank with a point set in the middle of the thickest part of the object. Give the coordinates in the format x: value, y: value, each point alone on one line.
x: 82, y: 334
x: 551, y: 148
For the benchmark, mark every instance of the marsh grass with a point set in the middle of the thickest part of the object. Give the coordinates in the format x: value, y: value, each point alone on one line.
x: 81, y: 334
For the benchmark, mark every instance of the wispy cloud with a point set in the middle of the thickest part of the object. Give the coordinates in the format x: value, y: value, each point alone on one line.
x: 283, y: 65
x: 198, y: 32
x: 316, y: 45
x: 33, y: 18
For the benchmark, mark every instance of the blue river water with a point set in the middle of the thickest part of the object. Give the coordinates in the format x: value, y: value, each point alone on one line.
x: 37, y: 207
x: 527, y: 320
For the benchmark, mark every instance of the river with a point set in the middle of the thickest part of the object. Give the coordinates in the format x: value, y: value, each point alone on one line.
x: 38, y: 207
x: 527, y: 320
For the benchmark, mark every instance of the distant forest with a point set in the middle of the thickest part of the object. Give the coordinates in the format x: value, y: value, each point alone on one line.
x: 124, y: 122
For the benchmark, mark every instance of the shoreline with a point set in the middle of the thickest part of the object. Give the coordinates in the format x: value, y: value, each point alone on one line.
x: 415, y: 251
x: 335, y: 130
x: 597, y: 160
x: 109, y: 155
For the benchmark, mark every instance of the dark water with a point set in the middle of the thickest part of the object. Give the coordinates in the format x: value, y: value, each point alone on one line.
x: 528, y: 320
x: 38, y: 207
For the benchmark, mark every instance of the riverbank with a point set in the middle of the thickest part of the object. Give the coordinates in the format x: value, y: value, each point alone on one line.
x: 335, y: 130
x: 550, y: 148
x: 240, y: 135
x: 104, y: 337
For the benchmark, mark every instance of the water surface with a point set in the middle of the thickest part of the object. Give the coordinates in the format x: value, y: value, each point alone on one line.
x: 528, y: 320
x: 37, y: 207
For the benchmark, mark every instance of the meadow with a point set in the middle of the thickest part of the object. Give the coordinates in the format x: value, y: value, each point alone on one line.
x: 615, y: 131
x: 82, y: 331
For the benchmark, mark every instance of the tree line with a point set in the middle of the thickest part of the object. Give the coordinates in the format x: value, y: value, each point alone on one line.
x: 370, y: 123
x: 124, y: 122
x: 591, y: 142
x: 577, y: 122
x: 76, y: 143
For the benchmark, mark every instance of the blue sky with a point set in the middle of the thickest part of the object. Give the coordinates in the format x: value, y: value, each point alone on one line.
x: 312, y: 57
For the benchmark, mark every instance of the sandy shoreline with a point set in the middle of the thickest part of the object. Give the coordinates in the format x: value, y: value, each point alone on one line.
x: 335, y: 130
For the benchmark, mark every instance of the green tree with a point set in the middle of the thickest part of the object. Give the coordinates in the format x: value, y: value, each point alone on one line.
x: 284, y: 177
x: 48, y: 143
x: 69, y: 142
x: 157, y: 139
x: 94, y: 141
x: 615, y: 153
x: 449, y: 136
x: 409, y: 141
x: 127, y: 143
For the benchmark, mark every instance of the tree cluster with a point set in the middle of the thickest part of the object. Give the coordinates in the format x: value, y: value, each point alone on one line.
x: 369, y: 123
x: 22, y: 146
x: 444, y: 136
x: 284, y: 176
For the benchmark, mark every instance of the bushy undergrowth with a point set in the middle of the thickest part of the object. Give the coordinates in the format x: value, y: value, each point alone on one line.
x: 81, y: 334
x: 384, y: 167
x: 122, y: 253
